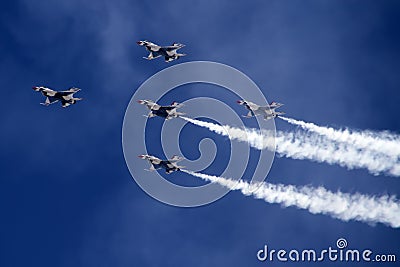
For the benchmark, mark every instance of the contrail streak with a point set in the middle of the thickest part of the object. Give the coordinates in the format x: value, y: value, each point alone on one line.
x: 382, y: 142
x: 302, y: 145
x: 343, y: 206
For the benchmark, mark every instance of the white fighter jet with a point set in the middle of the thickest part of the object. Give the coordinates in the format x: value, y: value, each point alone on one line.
x: 166, y: 112
x: 267, y: 111
x: 168, y: 52
x: 169, y: 165
x: 66, y: 97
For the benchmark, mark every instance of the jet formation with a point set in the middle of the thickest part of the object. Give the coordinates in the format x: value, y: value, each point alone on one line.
x: 66, y: 97
x: 168, y: 52
x: 169, y: 165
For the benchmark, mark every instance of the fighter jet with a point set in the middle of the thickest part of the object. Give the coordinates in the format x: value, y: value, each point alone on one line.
x: 168, y: 52
x: 167, y: 112
x: 66, y: 97
x: 169, y: 165
x: 267, y: 111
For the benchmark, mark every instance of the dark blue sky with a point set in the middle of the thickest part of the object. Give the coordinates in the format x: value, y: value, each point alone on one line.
x: 66, y: 195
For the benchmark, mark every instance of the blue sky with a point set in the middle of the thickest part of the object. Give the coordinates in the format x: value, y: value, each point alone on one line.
x: 66, y: 195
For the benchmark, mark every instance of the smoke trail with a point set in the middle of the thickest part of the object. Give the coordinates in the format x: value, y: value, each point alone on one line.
x: 301, y: 145
x: 343, y: 206
x: 382, y: 142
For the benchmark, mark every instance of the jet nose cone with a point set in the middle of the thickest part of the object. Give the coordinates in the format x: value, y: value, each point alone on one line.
x: 239, y: 101
x: 34, y: 88
x: 140, y: 101
x: 139, y: 42
x: 141, y: 156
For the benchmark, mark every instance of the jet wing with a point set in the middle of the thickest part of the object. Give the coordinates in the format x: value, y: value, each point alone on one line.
x: 152, y: 168
x: 49, y: 92
x: 150, y: 104
x: 155, y: 161
x: 266, y: 108
x: 266, y: 111
x: 271, y: 109
x: 252, y: 106
x: 250, y: 114
x: 152, y: 47
x: 155, y: 106
x: 151, y: 56
x: 49, y: 100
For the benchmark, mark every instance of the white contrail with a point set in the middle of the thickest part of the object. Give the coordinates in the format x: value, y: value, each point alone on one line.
x: 382, y: 142
x: 343, y: 206
x: 302, y: 145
